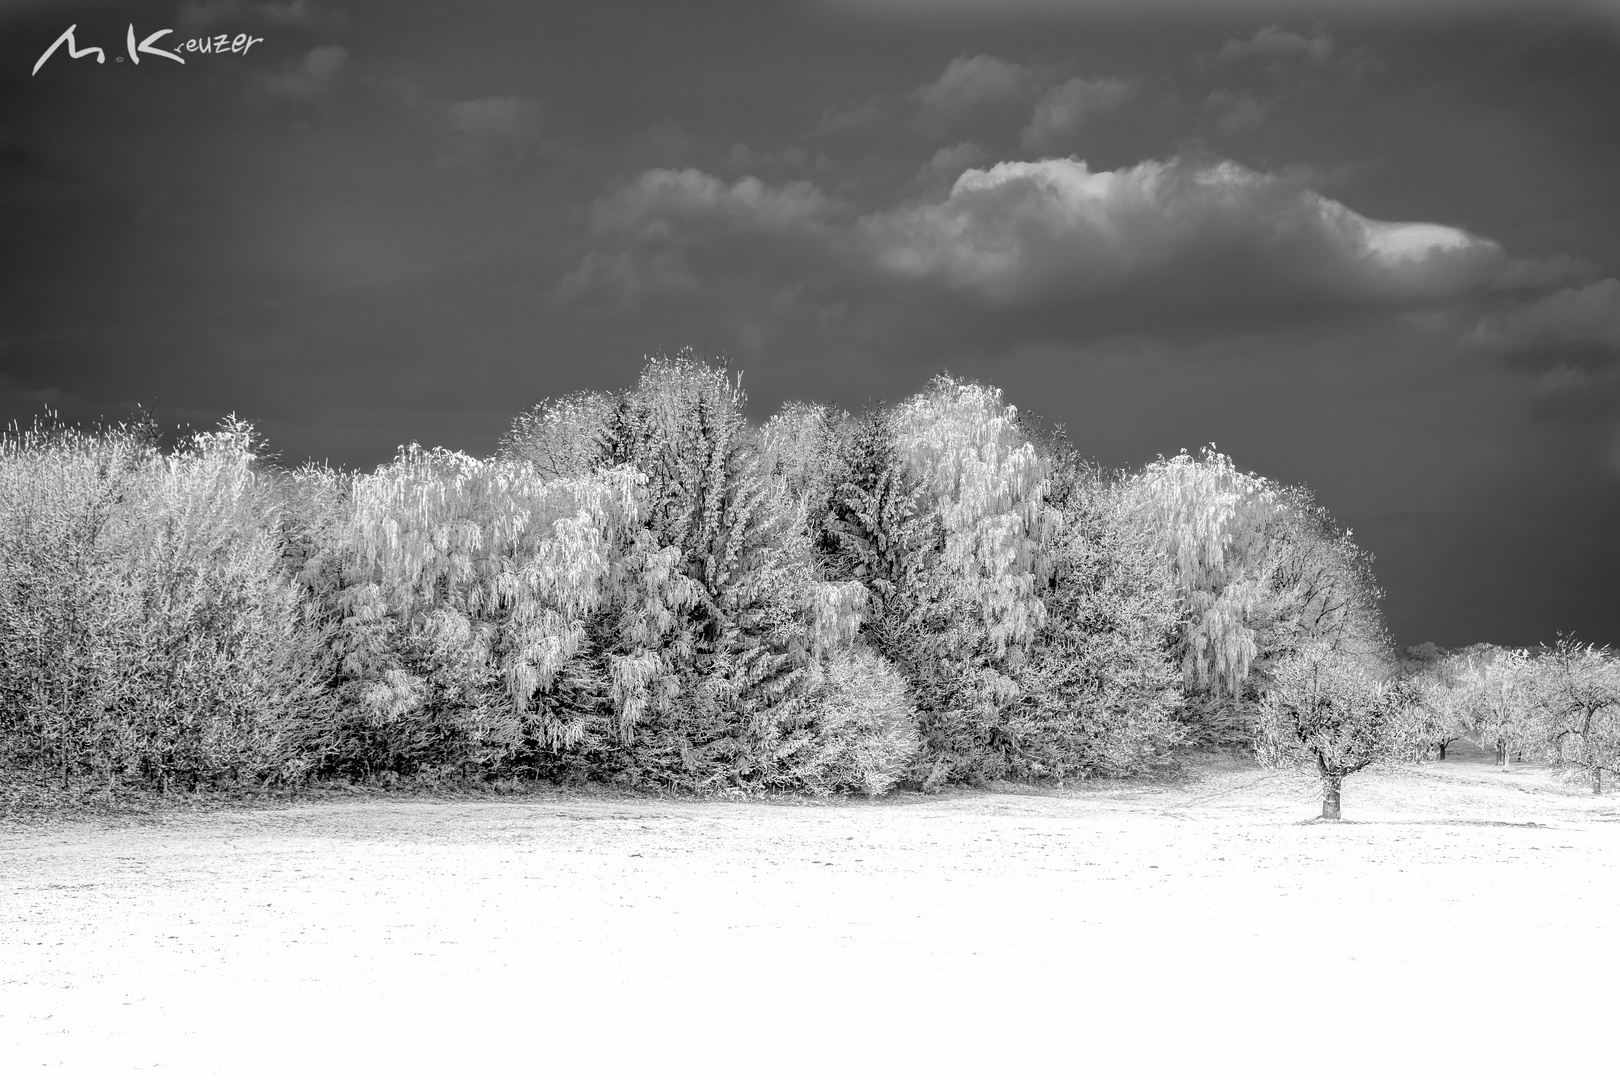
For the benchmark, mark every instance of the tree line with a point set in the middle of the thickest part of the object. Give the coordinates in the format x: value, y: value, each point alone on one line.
x: 645, y: 588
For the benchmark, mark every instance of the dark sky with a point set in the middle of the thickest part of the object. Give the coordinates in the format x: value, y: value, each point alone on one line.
x: 1371, y: 247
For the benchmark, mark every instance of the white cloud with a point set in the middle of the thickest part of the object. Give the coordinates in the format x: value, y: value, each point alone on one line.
x: 1273, y: 42
x: 1162, y: 245
x: 1026, y: 231
x: 661, y: 200
x: 1063, y: 111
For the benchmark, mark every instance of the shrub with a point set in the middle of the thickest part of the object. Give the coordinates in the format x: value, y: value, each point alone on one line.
x: 150, y: 632
x: 862, y: 735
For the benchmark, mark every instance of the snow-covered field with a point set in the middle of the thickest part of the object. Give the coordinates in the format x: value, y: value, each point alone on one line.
x: 1462, y: 921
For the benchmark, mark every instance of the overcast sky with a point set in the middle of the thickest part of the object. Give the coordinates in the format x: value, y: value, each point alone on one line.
x: 1370, y: 247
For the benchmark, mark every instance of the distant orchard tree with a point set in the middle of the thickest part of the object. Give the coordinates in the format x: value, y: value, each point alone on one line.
x: 1328, y: 710
x: 1440, y: 714
x: 1438, y: 720
x: 1580, y: 692
x: 1499, y: 692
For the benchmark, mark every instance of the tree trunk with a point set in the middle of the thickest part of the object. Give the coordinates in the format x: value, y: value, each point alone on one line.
x: 1442, y: 751
x: 1501, y: 753
x: 1330, y: 796
x: 1597, y: 780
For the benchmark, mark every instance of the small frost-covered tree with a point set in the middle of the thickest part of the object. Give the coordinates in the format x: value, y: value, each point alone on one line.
x: 1496, y: 692
x: 1579, y: 691
x: 1439, y: 715
x: 1327, y: 711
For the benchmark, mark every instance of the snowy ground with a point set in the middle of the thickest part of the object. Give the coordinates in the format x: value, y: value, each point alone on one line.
x: 1462, y: 920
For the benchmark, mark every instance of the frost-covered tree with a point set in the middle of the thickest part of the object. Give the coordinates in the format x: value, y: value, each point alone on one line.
x: 971, y: 606
x: 1440, y: 715
x: 149, y: 631
x: 874, y: 528
x: 1579, y: 691
x: 1099, y: 692
x: 723, y: 620
x: 803, y: 446
x: 561, y: 437
x: 1325, y: 709
x: 1262, y: 571
x: 1319, y: 586
x: 735, y: 527
x: 470, y: 590
x: 986, y: 484
x: 1495, y: 690
x: 1208, y: 520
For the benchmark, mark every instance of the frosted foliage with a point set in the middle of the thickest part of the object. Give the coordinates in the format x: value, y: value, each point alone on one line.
x: 987, y: 484
x: 1325, y: 709
x: 1099, y: 691
x: 1495, y: 691
x: 800, y: 446
x: 865, y: 734
x: 838, y: 610
x: 643, y: 587
x: 1578, y: 692
x: 726, y: 616
x: 1206, y: 517
x: 147, y: 627
x: 563, y: 437
x: 487, y: 559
